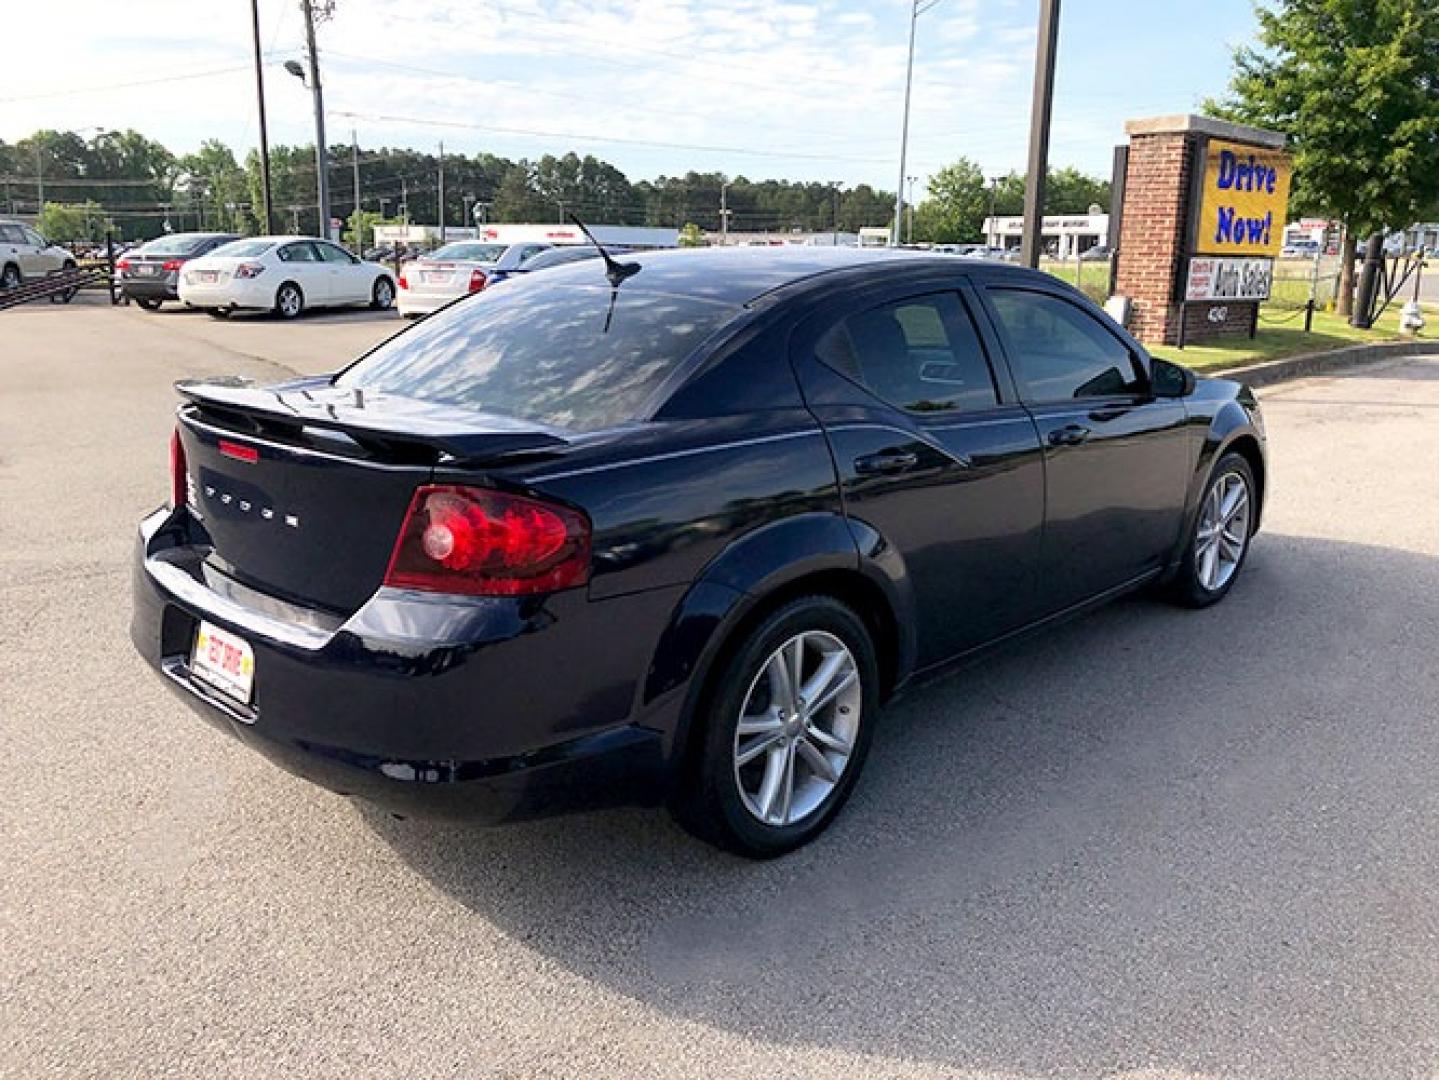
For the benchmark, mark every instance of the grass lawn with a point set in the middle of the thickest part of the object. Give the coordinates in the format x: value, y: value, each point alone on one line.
x: 1281, y: 327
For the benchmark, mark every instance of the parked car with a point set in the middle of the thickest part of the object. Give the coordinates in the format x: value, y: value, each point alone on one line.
x: 25, y: 255
x: 456, y: 270
x: 674, y: 529
x: 1097, y: 253
x: 283, y: 274
x: 150, y: 274
x: 555, y: 256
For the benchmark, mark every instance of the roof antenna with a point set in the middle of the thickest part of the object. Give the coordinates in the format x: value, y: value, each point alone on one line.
x: 614, y: 270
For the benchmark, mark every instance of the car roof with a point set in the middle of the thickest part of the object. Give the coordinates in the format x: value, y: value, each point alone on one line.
x: 741, y: 275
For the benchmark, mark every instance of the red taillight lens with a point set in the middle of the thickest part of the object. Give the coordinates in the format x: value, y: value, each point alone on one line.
x: 122, y: 264
x: 239, y: 451
x: 487, y: 543
x: 477, y: 280
x: 179, y: 489
x: 404, y: 283
x: 172, y: 264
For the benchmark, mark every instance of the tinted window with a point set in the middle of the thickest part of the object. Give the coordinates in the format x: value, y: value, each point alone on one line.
x: 470, y: 252
x: 530, y: 252
x: 921, y: 354
x: 562, y: 255
x: 180, y: 244
x: 35, y: 239
x: 1062, y: 351
x: 243, y: 249
x: 331, y: 253
x: 12, y: 234
x: 572, y: 356
x: 297, y: 253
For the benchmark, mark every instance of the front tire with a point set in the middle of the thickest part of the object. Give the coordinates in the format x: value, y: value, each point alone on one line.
x: 218, y: 312
x: 785, y: 730
x: 149, y: 303
x: 382, y: 295
x: 1219, y: 542
x: 9, y: 277
x: 289, y: 301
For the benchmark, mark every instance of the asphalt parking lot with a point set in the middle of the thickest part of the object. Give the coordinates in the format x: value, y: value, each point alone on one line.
x: 1152, y: 843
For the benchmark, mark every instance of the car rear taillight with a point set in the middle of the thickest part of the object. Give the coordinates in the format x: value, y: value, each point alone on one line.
x: 122, y: 264
x: 404, y: 282
x: 249, y: 270
x: 478, y: 280
x: 179, y: 488
x: 172, y: 264
x: 487, y: 543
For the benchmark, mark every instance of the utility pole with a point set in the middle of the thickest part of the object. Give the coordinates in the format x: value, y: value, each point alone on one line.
x: 834, y: 189
x: 39, y: 176
x: 405, y: 200
x: 1041, y: 111
x: 904, y: 126
x: 269, y: 220
x: 467, y: 199
x: 911, y: 180
x: 322, y: 164
x: 355, y: 167
x: 724, y: 214
x: 992, y: 233
x: 442, y: 193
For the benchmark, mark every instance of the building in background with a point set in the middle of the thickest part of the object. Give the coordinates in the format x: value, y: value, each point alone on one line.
x: 1063, y: 235
x: 428, y: 236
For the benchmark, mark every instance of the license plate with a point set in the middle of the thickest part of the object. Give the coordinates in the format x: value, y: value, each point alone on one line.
x: 434, y: 277
x: 209, y: 276
x: 147, y: 271
x: 225, y: 661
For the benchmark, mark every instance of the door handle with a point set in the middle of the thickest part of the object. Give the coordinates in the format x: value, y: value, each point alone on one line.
x: 886, y: 462
x: 1069, y: 435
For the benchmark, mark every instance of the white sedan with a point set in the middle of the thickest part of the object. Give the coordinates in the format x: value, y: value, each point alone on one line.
x: 284, y: 274
x: 455, y: 270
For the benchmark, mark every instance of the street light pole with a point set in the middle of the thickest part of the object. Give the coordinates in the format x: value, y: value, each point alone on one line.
x: 322, y: 164
x: 442, y: 193
x: 904, y: 125
x: 355, y: 168
x: 39, y: 174
x: 269, y: 222
x: 834, y: 187
x: 724, y: 214
x: 911, y: 180
x: 1041, y: 111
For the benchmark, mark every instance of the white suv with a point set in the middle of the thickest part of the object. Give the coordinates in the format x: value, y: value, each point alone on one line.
x: 25, y: 255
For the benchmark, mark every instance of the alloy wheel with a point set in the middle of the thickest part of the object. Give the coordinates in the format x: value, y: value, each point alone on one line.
x: 10, y: 279
x: 384, y: 294
x: 797, y: 728
x: 289, y: 301
x: 1223, y: 531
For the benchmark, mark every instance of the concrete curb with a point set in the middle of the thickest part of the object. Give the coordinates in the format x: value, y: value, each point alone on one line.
x: 1323, y: 363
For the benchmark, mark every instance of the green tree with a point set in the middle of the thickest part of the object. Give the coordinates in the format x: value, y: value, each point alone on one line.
x: 360, y: 229
x: 956, y: 207
x: 1355, y: 85
x: 216, y: 189
x: 692, y: 235
x: 66, y: 223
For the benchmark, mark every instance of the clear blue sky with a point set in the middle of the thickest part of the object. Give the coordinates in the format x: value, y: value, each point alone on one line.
x: 783, y: 88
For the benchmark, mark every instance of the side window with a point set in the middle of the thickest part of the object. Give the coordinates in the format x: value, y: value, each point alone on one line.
x: 33, y: 238
x: 298, y: 253
x: 12, y: 234
x: 920, y: 354
x: 331, y: 253
x: 529, y: 253
x: 1063, y: 352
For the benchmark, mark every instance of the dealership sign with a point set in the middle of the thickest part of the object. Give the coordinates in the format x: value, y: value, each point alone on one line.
x: 1243, y: 200
x: 1229, y: 279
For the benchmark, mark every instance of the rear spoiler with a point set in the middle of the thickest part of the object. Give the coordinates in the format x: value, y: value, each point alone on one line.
x: 393, y: 426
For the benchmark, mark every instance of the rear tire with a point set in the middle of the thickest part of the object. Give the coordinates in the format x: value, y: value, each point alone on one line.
x: 382, y: 296
x: 149, y: 303
x: 10, y: 277
x: 776, y: 785
x: 218, y: 312
x: 289, y: 301
x: 1218, y: 544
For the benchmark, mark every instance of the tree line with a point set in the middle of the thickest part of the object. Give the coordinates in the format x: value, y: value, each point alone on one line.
x: 132, y: 185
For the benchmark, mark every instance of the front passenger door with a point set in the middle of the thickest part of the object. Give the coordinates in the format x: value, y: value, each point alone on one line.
x: 1115, y: 455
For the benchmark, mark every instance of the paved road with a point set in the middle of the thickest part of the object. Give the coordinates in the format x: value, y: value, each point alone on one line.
x: 1151, y: 844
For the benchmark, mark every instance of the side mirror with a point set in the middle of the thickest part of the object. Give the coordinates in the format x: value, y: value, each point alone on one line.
x: 1170, y: 380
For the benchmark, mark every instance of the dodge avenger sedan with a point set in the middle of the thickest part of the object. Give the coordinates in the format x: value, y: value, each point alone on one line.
x: 674, y: 529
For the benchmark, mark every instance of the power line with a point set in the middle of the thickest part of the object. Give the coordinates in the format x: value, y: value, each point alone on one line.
x: 124, y: 85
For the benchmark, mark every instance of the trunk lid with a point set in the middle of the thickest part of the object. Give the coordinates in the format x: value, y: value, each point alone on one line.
x: 303, y: 487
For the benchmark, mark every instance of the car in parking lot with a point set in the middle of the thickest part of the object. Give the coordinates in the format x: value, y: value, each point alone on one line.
x: 673, y: 528
x: 458, y: 269
x: 555, y: 256
x: 283, y: 274
x: 25, y: 255
x: 150, y: 274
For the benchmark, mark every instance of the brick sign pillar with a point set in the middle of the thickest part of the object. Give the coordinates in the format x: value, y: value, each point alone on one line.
x: 1196, y: 188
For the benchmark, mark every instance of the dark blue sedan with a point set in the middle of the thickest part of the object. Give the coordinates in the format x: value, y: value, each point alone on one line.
x: 674, y: 530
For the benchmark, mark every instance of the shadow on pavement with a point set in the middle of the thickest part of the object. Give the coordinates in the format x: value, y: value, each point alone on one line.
x: 1150, y: 839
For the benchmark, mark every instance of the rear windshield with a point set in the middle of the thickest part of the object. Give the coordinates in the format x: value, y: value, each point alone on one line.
x: 555, y: 353
x: 243, y: 249
x: 173, y: 245
x: 470, y: 252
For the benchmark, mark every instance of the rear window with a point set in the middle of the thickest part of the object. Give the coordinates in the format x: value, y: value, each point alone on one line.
x: 243, y: 249
x: 470, y: 252
x: 558, y: 354
x: 173, y: 245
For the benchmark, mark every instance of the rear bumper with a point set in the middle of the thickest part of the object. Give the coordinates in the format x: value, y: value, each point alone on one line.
x: 164, y: 287
x: 411, y: 704
x: 229, y: 294
x: 410, y: 302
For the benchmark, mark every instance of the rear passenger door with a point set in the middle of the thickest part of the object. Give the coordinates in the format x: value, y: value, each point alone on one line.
x: 1116, y: 456
x: 303, y: 266
x: 934, y: 455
